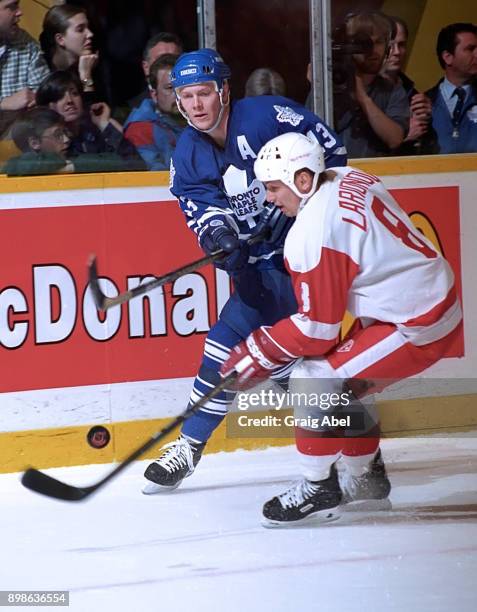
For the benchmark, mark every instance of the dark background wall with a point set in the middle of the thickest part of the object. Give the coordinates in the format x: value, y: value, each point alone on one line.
x: 250, y: 34
x: 272, y: 33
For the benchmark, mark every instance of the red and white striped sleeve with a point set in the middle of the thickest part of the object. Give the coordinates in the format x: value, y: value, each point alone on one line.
x: 322, y: 296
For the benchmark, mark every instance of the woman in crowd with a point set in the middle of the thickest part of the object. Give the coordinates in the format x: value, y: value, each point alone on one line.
x: 91, y: 127
x: 67, y: 43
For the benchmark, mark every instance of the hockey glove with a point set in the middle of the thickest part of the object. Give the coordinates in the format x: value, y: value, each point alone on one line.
x: 223, y: 237
x: 254, y: 359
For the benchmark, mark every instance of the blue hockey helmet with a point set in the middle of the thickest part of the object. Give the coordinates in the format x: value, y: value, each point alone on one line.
x: 199, y: 66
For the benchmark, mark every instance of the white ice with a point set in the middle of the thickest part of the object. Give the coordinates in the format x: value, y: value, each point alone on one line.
x: 203, y: 548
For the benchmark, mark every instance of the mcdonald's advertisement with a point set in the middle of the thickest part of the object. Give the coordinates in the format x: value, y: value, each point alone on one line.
x: 51, y: 334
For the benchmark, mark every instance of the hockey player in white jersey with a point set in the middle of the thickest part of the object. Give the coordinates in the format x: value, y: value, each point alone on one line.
x: 351, y: 248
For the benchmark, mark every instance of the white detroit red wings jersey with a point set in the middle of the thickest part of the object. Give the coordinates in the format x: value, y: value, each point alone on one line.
x: 353, y: 248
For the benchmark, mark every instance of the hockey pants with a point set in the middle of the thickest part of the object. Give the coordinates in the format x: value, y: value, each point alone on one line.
x: 367, y: 361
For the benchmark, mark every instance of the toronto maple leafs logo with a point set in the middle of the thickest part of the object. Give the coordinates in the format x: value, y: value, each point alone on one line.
x: 285, y: 114
x: 246, y: 199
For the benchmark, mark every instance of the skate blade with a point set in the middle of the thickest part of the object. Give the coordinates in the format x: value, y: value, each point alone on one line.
x: 368, y: 505
x: 322, y: 517
x: 151, y: 488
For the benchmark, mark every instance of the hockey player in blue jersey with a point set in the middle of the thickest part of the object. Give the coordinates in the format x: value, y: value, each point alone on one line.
x: 224, y: 204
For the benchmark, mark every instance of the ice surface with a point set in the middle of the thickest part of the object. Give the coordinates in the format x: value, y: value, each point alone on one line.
x: 202, y: 547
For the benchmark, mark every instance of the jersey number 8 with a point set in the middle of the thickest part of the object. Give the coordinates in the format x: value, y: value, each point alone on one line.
x: 398, y: 228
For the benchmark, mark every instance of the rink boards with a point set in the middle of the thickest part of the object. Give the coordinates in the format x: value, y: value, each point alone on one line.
x: 65, y: 368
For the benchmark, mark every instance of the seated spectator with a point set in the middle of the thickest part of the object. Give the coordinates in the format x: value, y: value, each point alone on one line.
x: 454, y: 97
x: 42, y: 136
x: 67, y: 43
x: 265, y: 82
x: 376, y: 120
x: 421, y: 138
x: 91, y: 127
x: 22, y: 66
x: 159, y: 44
x: 156, y: 125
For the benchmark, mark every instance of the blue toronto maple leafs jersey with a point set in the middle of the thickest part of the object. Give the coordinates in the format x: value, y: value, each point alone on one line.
x: 213, y: 183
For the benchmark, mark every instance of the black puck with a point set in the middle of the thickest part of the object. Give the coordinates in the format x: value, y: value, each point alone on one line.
x: 98, y: 436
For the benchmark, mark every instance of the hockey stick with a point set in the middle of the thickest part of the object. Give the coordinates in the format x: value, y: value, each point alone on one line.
x: 38, y: 481
x: 103, y: 302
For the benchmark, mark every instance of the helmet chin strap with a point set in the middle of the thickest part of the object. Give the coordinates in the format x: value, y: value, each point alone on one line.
x: 223, y: 105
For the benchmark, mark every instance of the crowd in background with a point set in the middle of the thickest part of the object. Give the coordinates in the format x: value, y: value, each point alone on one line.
x: 57, y: 104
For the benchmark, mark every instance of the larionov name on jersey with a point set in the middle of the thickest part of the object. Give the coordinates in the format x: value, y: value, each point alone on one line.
x: 352, y: 194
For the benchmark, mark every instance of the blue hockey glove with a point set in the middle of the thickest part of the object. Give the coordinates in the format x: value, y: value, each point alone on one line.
x: 223, y: 237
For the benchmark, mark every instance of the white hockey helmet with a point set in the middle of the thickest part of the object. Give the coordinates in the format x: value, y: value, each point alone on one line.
x: 280, y: 158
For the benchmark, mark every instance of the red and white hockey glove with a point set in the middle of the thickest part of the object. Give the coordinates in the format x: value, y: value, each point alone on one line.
x: 254, y: 359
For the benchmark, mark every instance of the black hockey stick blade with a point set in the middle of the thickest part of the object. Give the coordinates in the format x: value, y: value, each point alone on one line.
x: 103, y: 302
x: 98, y: 295
x: 42, y: 483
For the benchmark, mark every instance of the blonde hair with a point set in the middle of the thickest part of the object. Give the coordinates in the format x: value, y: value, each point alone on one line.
x: 371, y: 23
x: 265, y: 81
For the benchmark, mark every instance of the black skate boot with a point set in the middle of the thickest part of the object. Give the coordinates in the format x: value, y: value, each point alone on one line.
x: 303, y: 501
x: 177, y: 462
x: 370, y: 491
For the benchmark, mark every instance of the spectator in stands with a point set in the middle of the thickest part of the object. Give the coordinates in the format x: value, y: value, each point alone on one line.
x: 421, y: 138
x: 376, y: 123
x: 22, y: 66
x: 92, y: 128
x: 67, y: 43
x: 159, y: 44
x: 156, y: 125
x: 265, y: 82
x: 454, y: 97
x: 43, y: 137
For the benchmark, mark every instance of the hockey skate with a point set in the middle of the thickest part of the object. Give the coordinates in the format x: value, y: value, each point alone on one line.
x: 370, y: 491
x: 304, y: 501
x: 176, y: 463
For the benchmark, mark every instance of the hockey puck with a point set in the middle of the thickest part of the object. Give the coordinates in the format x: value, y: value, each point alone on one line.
x: 98, y: 436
